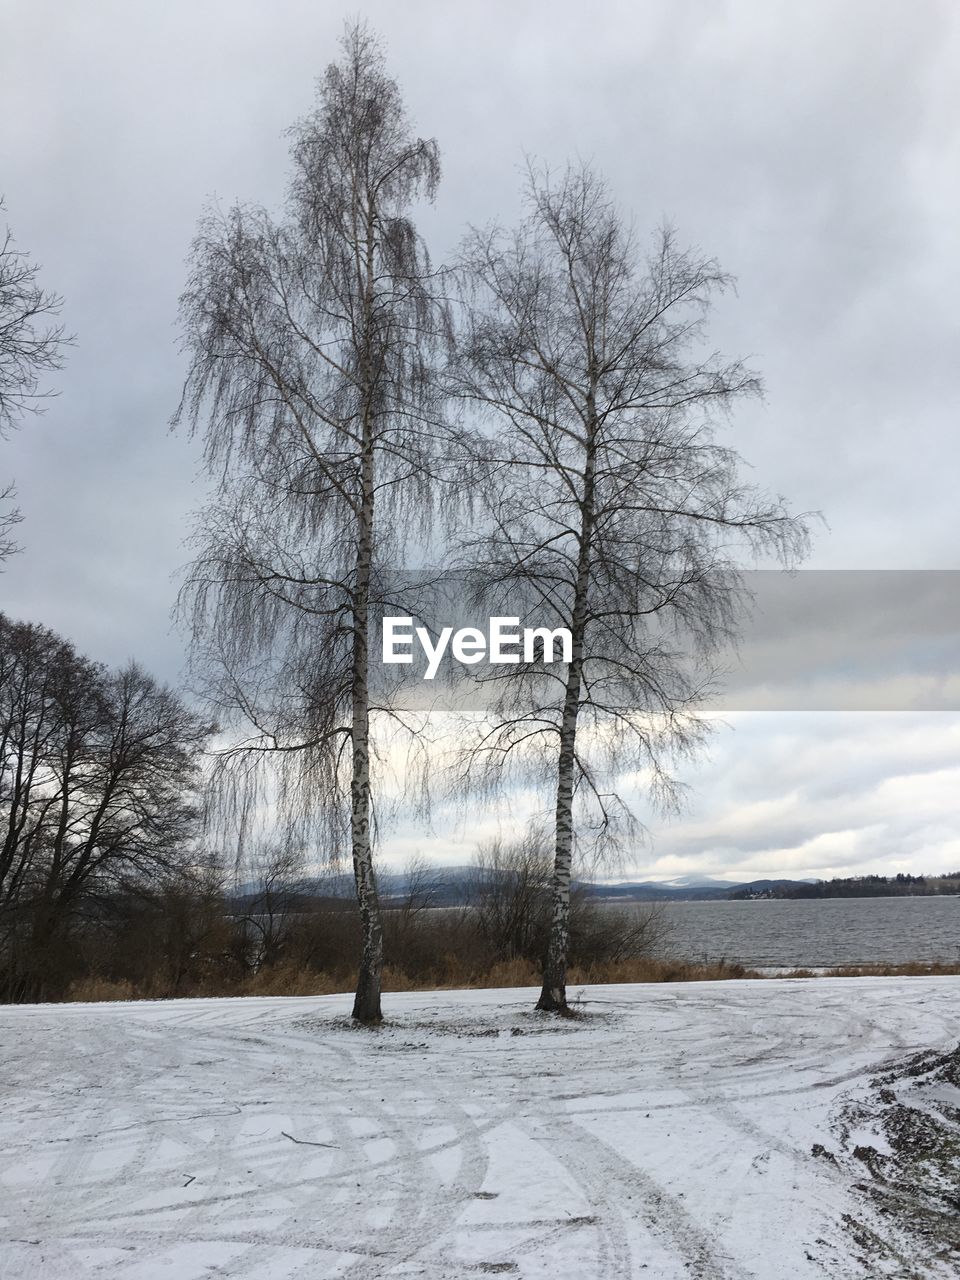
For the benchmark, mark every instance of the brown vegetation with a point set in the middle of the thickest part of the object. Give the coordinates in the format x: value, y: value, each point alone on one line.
x: 451, y: 972
x: 203, y: 944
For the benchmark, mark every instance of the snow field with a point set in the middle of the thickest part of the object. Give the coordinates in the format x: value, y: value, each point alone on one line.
x: 668, y: 1132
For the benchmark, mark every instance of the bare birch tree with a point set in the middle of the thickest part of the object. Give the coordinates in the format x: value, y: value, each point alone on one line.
x: 310, y: 376
x: 612, y: 509
x: 31, y: 344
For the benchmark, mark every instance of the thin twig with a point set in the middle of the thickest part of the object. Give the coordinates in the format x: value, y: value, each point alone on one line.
x: 305, y: 1142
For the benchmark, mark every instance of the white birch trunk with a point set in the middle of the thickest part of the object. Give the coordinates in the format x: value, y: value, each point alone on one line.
x: 366, y: 1005
x: 553, y: 996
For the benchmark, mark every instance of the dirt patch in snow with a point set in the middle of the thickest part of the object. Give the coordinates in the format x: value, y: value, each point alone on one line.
x: 900, y: 1141
x: 470, y: 1027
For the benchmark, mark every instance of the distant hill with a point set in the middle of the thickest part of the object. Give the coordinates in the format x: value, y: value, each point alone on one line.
x: 450, y: 886
x: 689, y: 889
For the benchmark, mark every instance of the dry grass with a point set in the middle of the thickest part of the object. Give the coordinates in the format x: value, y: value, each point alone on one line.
x: 287, y: 980
x: 651, y: 970
x: 451, y: 974
x: 97, y: 989
x: 914, y: 969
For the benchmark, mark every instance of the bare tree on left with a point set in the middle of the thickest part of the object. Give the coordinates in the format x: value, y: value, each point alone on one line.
x: 31, y: 345
x: 99, y: 774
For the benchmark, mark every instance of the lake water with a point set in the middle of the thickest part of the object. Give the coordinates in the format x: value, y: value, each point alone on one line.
x: 806, y: 932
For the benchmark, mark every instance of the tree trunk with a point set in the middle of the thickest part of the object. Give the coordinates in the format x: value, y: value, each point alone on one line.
x: 366, y: 1005
x: 553, y: 995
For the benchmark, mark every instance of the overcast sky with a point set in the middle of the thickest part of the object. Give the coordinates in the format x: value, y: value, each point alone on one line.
x: 812, y: 147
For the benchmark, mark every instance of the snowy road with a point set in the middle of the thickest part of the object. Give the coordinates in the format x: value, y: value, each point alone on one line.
x: 668, y: 1133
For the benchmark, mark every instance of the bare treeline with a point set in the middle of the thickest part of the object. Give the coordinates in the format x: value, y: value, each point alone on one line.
x: 98, y: 771
x: 553, y: 382
x: 189, y: 929
x: 552, y: 396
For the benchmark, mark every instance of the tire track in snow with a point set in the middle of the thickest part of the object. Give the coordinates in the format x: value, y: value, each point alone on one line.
x: 438, y: 1103
x: 416, y: 1208
x: 602, y: 1175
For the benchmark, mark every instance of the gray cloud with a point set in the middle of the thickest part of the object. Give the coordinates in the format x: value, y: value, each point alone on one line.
x: 812, y: 147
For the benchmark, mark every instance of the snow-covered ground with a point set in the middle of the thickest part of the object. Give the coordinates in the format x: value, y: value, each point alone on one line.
x: 704, y: 1129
